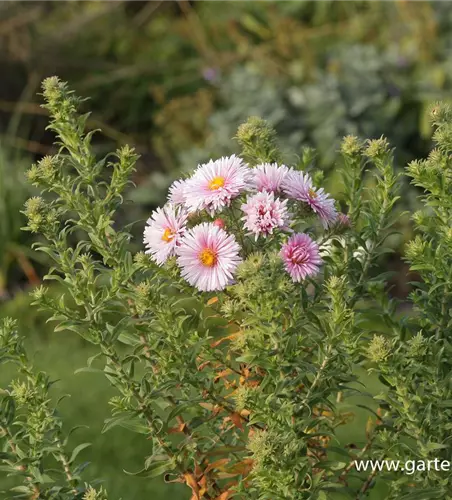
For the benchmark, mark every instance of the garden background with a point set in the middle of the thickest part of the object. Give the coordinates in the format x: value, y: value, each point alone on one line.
x: 175, y: 79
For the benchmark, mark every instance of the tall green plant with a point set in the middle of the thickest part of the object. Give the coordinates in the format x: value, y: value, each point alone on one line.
x: 234, y: 342
x: 35, y: 447
x: 415, y: 363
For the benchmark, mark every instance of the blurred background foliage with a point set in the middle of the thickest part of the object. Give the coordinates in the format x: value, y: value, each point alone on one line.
x: 175, y: 79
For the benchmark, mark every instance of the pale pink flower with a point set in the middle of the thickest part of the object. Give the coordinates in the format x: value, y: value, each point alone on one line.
x: 163, y: 232
x: 301, y: 256
x: 215, y: 184
x: 269, y: 177
x: 299, y: 186
x: 208, y: 257
x: 177, y: 192
x: 264, y: 213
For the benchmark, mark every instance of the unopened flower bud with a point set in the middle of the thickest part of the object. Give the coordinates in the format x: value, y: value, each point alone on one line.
x: 377, y: 148
x: 351, y: 146
x: 219, y: 223
x: 379, y: 349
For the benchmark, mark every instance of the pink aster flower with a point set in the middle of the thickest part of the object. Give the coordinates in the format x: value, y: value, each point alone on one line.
x: 216, y: 183
x: 269, y: 177
x: 163, y: 232
x: 208, y: 257
x: 301, y: 256
x: 264, y: 213
x: 300, y: 187
x: 177, y: 192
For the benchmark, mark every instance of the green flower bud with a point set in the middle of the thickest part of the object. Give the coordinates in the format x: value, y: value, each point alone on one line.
x: 142, y: 291
x: 33, y: 175
x: 261, y: 446
x: 230, y: 308
x: 255, y: 129
x: 377, y: 149
x: 53, y: 87
x: 48, y: 167
x: 142, y: 259
x: 443, y: 137
x: 416, y: 248
x: 241, y: 397
x: 420, y: 218
x: 440, y: 112
x: 351, y: 146
x: 34, y: 211
x: 92, y: 494
x: 22, y: 393
x: 417, y: 346
x: 39, y: 293
x: 250, y: 266
x: 258, y: 140
x: 379, y: 349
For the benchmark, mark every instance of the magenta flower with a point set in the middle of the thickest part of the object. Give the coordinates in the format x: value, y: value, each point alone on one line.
x: 208, y: 257
x: 216, y: 183
x: 300, y: 187
x: 301, y: 256
x: 264, y: 213
x: 269, y: 177
x: 163, y: 232
x: 177, y: 192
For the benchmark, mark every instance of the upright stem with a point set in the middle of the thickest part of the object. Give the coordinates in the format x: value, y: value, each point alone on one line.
x: 318, y: 376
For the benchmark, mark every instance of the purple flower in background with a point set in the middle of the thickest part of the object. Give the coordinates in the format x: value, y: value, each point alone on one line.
x: 211, y: 75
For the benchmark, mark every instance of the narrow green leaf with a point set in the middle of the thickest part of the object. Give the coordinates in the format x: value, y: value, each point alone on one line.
x: 77, y: 450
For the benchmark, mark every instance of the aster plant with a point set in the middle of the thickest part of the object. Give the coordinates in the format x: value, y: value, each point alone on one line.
x: 34, y: 445
x: 239, y: 337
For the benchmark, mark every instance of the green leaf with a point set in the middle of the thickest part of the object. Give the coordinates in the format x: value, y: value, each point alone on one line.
x: 21, y: 489
x: 88, y: 369
x: 114, y: 421
x: 154, y: 470
x: 8, y: 409
x: 178, y: 409
x: 126, y: 421
x: 128, y: 339
x: 77, y: 450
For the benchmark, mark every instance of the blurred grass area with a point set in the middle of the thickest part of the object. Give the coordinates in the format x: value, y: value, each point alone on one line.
x: 60, y: 354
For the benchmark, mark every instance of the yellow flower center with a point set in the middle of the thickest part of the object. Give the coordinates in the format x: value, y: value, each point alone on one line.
x: 312, y: 194
x: 208, y: 257
x: 216, y: 183
x: 168, y: 235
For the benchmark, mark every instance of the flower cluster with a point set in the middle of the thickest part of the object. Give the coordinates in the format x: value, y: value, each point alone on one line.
x: 256, y: 202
